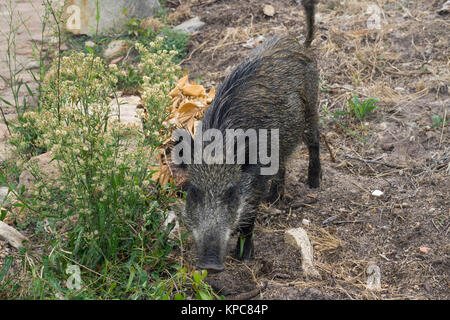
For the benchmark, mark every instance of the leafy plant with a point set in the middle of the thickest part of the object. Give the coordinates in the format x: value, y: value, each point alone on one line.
x: 361, y: 109
x: 186, y: 283
x: 438, y: 121
x: 102, y: 213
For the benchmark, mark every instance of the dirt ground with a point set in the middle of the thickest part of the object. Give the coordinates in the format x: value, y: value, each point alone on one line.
x: 397, y: 149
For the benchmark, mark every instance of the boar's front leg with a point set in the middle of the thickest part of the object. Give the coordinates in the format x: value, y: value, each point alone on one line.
x: 244, y: 246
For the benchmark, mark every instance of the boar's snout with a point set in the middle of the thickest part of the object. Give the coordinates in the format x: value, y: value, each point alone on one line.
x: 211, y: 265
x: 211, y: 255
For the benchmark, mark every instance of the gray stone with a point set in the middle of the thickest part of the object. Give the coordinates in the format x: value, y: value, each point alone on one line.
x: 6, y: 151
x: 89, y: 44
x: 48, y: 169
x: 115, y: 49
x: 128, y: 111
x: 32, y: 65
x: 11, y: 235
x: 190, y: 26
x: 3, y: 131
x: 80, y: 15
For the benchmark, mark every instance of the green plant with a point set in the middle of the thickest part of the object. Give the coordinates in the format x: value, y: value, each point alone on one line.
x: 361, y: 109
x: 184, y: 284
x: 160, y: 75
x: 438, y: 121
x: 102, y: 212
x: 175, y: 40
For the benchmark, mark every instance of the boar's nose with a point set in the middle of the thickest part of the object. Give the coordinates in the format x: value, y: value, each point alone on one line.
x: 211, y: 265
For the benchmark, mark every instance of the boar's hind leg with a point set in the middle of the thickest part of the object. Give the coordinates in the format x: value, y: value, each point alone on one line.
x: 276, y: 191
x: 314, y: 171
x: 311, y: 138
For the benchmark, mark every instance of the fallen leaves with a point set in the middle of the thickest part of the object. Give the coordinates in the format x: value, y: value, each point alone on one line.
x: 189, y: 103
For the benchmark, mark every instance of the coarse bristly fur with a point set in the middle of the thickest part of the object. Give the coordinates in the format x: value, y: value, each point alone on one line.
x: 275, y: 87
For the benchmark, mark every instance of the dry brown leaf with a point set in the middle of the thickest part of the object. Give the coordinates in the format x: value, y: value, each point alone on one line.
x: 188, y: 104
x: 193, y: 90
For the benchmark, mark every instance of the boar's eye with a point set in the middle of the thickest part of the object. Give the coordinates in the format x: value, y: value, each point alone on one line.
x: 231, y: 194
x: 193, y: 193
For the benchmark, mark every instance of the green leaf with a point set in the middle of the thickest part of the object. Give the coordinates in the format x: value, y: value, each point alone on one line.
x: 197, y: 277
x: 202, y: 295
x: 3, y: 213
x: 131, y: 278
x: 6, y: 101
x: 6, y: 266
x: 179, y: 296
x: 241, y: 246
x: 97, y: 16
x: 91, y: 51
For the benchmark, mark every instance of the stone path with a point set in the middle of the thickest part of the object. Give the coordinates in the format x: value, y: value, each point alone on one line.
x: 26, y: 16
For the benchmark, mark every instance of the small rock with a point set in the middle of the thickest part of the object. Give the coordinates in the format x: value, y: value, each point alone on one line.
x: 11, y: 235
x: 32, y: 65
x: 377, y: 193
x: 6, y: 151
x: 115, y: 49
x: 387, y: 146
x: 306, y: 222
x: 89, y: 44
x: 129, y: 106
x: 424, y: 250
x: 299, y: 239
x: 318, y: 18
x: 64, y: 47
x: 47, y: 166
x: 269, y: 10
x: 190, y: 26
x: 172, y: 218
x: 3, y: 131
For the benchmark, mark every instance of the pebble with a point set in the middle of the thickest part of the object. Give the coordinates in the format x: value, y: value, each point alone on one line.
x: 190, y: 26
x: 377, y: 193
x: 269, y: 10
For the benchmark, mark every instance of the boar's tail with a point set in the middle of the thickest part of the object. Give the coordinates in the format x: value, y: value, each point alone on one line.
x: 309, y: 6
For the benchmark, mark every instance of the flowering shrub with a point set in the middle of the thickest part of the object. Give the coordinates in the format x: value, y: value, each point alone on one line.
x: 104, y: 177
x: 159, y: 75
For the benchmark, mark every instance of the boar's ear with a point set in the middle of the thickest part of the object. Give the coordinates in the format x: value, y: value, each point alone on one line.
x: 182, y: 153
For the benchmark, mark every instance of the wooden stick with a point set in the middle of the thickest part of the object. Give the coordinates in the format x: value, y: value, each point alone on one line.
x: 373, y: 161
